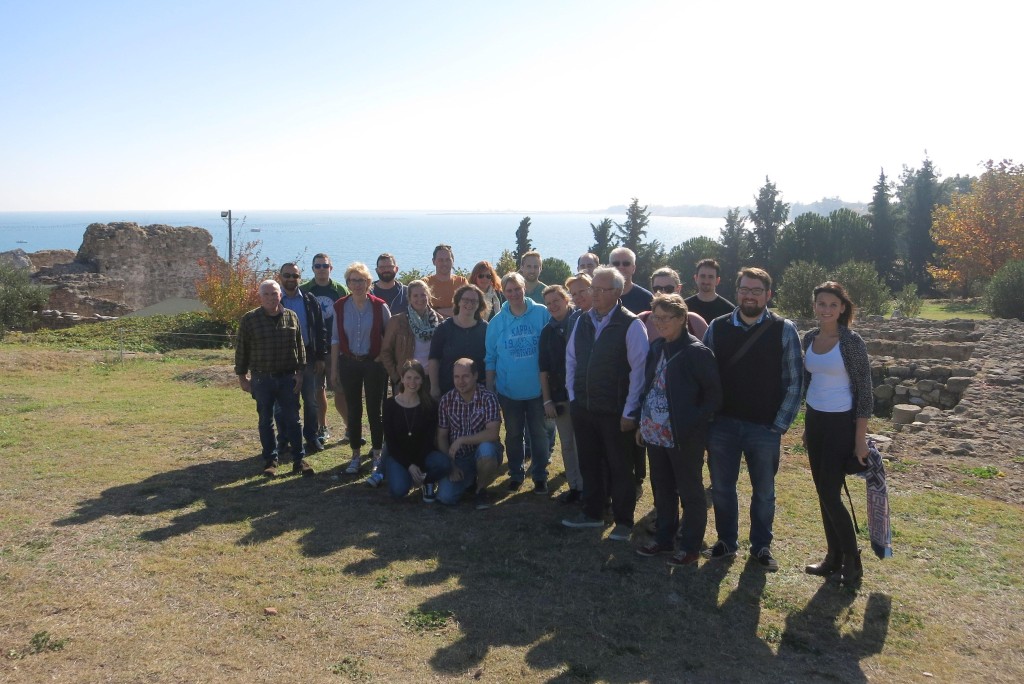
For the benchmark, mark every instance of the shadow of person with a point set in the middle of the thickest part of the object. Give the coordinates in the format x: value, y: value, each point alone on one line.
x: 814, y: 649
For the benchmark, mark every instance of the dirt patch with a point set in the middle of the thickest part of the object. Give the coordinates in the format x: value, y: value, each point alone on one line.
x: 216, y: 376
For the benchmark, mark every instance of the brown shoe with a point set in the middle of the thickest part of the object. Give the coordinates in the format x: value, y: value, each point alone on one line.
x: 653, y: 549
x: 829, y: 566
x: 684, y: 558
x: 270, y: 468
x: 304, y: 468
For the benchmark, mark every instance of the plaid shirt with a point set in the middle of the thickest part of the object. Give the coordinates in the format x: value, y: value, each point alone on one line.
x: 269, y: 344
x: 463, y: 418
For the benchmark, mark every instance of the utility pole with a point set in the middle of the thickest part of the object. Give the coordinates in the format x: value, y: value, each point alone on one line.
x: 227, y: 215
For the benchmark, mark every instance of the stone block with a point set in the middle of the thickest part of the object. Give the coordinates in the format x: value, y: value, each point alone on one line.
x: 884, y: 392
x: 957, y: 385
x: 904, y: 414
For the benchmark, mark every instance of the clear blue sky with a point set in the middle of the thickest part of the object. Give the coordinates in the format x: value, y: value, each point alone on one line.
x: 492, y: 105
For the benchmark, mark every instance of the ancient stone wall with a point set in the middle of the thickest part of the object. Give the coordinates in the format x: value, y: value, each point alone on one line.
x: 154, y: 262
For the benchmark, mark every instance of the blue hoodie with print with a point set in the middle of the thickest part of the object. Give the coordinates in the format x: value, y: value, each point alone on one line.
x: 513, y: 350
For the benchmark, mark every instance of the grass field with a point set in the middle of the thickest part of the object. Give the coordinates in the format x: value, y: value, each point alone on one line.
x: 945, y: 309
x: 138, y: 544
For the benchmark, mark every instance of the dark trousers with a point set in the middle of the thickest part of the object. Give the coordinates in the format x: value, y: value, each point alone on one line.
x: 359, y: 376
x: 310, y: 420
x: 270, y: 389
x: 677, y: 476
x: 830, y: 442
x: 605, y: 463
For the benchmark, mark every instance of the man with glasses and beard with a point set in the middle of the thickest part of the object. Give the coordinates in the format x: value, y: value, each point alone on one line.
x: 760, y: 364
x: 388, y: 288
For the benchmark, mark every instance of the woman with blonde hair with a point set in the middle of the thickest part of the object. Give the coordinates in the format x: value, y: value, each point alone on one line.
x: 360, y: 320
x: 408, y: 335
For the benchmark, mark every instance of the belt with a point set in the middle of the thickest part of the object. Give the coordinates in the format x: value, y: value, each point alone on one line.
x: 358, y: 357
x: 274, y: 375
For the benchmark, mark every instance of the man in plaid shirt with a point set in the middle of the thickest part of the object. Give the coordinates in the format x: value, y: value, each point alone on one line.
x: 270, y: 349
x: 467, y: 430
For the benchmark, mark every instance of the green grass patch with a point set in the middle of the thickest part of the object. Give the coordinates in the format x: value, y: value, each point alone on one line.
x: 946, y: 309
x: 143, y: 334
x: 983, y: 472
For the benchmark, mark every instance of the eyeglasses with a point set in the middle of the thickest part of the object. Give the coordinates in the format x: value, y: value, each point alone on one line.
x: 289, y: 275
x: 488, y: 276
x: 667, y: 289
x: 602, y: 290
x: 622, y: 263
x: 319, y: 266
x: 747, y: 291
x: 357, y: 281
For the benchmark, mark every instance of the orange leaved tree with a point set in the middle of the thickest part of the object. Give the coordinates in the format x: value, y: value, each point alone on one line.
x: 230, y: 290
x: 981, y: 230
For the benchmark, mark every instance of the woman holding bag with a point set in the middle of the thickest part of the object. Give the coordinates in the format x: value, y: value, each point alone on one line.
x: 837, y: 379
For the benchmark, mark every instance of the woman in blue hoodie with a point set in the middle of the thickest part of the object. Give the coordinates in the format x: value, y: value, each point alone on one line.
x: 513, y: 371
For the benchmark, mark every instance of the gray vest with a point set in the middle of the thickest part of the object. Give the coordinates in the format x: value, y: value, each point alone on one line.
x: 601, y: 382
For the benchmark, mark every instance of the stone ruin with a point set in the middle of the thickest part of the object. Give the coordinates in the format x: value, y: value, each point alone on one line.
x: 120, y: 268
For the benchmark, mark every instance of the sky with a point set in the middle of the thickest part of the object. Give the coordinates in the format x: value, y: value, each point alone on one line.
x: 524, y: 105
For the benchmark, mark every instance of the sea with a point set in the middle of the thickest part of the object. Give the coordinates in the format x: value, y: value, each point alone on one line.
x: 349, y: 236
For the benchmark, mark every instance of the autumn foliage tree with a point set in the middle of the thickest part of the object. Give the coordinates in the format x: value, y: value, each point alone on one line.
x: 981, y: 230
x: 230, y: 290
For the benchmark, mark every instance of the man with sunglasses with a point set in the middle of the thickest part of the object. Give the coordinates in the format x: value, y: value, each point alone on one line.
x: 314, y: 338
x: 761, y: 367
x: 326, y: 291
x: 633, y: 297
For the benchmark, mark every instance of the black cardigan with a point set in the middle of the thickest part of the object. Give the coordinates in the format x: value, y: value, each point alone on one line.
x: 692, y: 383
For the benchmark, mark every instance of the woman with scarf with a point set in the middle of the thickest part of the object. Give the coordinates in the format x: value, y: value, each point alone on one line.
x: 408, y: 335
x: 485, y: 277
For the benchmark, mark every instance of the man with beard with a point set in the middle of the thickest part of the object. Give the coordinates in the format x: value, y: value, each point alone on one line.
x: 707, y: 302
x: 326, y: 291
x: 443, y: 282
x: 394, y: 293
x: 760, y: 364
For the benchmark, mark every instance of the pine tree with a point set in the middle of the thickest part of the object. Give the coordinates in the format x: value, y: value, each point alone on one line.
x: 769, y: 216
x: 634, y: 230
x: 883, y: 230
x: 604, y: 241
x: 736, y: 251
x: 523, y: 244
x: 918, y: 194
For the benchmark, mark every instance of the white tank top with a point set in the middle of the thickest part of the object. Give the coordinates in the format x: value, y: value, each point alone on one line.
x: 830, y: 390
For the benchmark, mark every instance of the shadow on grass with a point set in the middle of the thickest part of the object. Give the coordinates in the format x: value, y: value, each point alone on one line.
x: 575, y: 603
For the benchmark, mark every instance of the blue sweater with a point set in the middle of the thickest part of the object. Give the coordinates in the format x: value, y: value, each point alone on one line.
x: 513, y: 350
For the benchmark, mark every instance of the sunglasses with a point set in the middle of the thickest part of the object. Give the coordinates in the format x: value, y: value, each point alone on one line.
x: 667, y: 289
x: 319, y: 266
x: 622, y: 263
x: 488, y: 276
x: 289, y: 275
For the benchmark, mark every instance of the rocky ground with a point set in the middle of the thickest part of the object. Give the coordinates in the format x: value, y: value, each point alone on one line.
x: 978, y: 444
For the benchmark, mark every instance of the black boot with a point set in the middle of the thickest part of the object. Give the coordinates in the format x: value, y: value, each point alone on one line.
x: 852, y: 571
x: 830, y: 565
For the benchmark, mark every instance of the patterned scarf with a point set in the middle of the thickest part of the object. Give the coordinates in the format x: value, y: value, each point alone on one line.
x: 423, y: 326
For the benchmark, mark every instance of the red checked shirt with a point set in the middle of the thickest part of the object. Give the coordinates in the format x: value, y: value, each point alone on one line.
x: 462, y: 418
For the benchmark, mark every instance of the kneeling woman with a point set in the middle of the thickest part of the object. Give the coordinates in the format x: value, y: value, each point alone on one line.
x: 410, y: 430
x: 837, y: 375
x: 682, y: 391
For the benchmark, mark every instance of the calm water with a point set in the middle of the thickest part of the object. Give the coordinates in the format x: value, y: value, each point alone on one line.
x: 354, y: 236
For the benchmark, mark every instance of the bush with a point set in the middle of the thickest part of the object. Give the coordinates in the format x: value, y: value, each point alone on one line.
x: 18, y: 299
x: 506, y: 264
x: 1004, y: 291
x: 908, y: 303
x: 230, y: 290
x: 794, y: 295
x: 865, y: 287
x: 556, y: 271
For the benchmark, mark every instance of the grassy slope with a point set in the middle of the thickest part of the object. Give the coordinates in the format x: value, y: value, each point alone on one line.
x: 132, y: 525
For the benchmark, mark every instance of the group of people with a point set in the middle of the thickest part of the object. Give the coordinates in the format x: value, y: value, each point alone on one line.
x: 625, y: 376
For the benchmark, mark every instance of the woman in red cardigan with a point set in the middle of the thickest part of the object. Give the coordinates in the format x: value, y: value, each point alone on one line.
x: 360, y: 320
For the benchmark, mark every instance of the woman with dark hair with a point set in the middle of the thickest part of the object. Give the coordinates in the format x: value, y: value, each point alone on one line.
x: 837, y: 380
x: 461, y: 336
x: 410, y: 430
x: 485, y: 277
x: 409, y: 334
x: 682, y: 391
x: 360, y: 320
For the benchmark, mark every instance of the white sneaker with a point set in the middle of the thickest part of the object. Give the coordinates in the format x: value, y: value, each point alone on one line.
x: 353, y: 467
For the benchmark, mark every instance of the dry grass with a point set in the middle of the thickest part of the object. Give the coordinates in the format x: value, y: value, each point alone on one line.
x: 133, y: 527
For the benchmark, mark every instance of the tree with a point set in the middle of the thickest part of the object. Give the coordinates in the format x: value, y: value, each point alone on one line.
x: 684, y: 257
x: 882, y: 217
x: 523, y: 244
x: 230, y: 290
x: 918, y: 193
x: 507, y: 263
x: 768, y: 216
x: 556, y: 271
x: 633, y: 231
x: 19, y: 297
x: 736, y: 244
x: 980, y: 230
x: 604, y: 241
x: 793, y: 295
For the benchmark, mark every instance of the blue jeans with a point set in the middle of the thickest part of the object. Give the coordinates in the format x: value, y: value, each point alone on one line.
x: 269, y: 389
x: 759, y: 444
x: 522, y: 415
x: 400, y: 481
x: 449, y: 492
x: 310, y: 418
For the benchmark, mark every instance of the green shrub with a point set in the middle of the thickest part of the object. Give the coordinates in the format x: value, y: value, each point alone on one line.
x: 865, y: 287
x: 18, y: 299
x: 556, y: 271
x: 142, y: 334
x: 798, y: 282
x: 907, y: 301
x: 1006, y: 291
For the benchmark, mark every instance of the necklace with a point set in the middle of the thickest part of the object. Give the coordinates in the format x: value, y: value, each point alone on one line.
x: 409, y: 423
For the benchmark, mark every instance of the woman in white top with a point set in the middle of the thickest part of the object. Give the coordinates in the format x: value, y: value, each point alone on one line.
x: 408, y: 335
x: 837, y: 378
